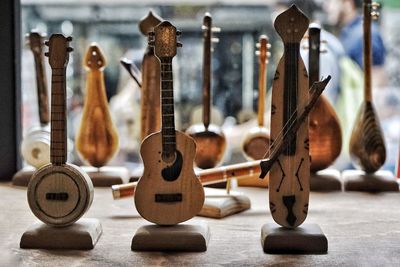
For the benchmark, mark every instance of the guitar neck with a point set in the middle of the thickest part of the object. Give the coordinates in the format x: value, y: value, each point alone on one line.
x: 367, y: 51
x: 314, y: 54
x: 167, y: 107
x: 207, y: 74
x: 41, y: 84
x: 58, y: 140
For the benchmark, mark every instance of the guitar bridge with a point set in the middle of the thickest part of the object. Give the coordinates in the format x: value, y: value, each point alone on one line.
x: 168, y: 198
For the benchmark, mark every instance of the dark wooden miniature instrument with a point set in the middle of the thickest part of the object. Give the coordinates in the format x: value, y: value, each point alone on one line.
x: 210, y: 140
x: 256, y: 141
x: 97, y: 138
x: 289, y: 178
x: 367, y: 144
x: 35, y: 147
x: 324, y: 128
x: 169, y: 191
x: 59, y: 193
x: 245, y: 170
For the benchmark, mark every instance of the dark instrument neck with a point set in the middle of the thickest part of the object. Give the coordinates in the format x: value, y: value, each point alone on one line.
x: 367, y: 51
x: 313, y: 55
x: 167, y: 107
x: 292, y: 51
x: 206, y: 77
x: 58, y: 144
x: 41, y: 84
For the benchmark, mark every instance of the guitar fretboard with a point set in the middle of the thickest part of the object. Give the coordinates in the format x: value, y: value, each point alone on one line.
x: 167, y: 107
x: 58, y: 142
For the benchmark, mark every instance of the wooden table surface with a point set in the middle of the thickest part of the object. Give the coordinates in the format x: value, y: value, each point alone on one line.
x: 362, y: 230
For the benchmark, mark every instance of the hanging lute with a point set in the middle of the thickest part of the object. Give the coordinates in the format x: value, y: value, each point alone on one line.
x: 169, y: 192
x: 367, y: 144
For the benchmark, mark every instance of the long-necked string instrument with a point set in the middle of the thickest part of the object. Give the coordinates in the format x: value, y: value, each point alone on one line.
x: 35, y: 147
x: 256, y: 141
x: 324, y: 128
x: 169, y: 191
x: 97, y: 139
x: 367, y: 144
x: 210, y: 140
x: 59, y: 193
x: 248, y: 169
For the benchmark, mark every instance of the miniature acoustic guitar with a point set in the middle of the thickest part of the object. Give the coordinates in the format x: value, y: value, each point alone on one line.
x: 367, y: 144
x: 325, y: 131
x: 35, y: 147
x: 289, y: 176
x: 97, y: 139
x: 210, y: 139
x: 169, y: 192
x: 59, y: 193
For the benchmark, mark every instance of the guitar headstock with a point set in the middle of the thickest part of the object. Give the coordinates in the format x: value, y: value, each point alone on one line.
x: 291, y: 25
x: 59, y: 50
x: 94, y: 58
x: 263, y: 46
x: 164, y: 38
x: 208, y: 30
x: 372, y: 8
x: 35, y: 41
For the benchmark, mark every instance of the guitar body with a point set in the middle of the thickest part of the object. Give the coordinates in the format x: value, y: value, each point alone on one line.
x: 59, y: 195
x: 156, y: 199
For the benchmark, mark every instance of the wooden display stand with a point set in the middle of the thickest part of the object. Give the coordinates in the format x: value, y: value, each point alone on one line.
x: 305, y: 239
x: 326, y: 180
x: 82, y: 235
x: 182, y: 237
x: 380, y: 181
x: 218, y: 204
x: 108, y: 175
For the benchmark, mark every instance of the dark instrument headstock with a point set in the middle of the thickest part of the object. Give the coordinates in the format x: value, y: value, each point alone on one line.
x: 291, y: 25
x: 94, y: 58
x: 372, y: 8
x: 263, y: 46
x: 148, y: 22
x: 208, y: 30
x: 35, y: 41
x: 314, y: 39
x: 59, y: 50
x: 164, y: 38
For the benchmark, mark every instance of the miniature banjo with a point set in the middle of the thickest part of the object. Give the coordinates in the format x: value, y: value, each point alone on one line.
x: 59, y: 193
x: 169, y: 191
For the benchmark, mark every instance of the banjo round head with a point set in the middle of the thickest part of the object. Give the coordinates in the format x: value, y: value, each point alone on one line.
x: 59, y: 195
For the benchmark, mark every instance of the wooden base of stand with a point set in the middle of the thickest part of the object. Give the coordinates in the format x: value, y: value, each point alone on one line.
x: 181, y: 237
x: 218, y: 204
x: 107, y: 175
x: 326, y: 180
x: 82, y: 235
x: 22, y: 177
x: 380, y: 181
x: 305, y: 239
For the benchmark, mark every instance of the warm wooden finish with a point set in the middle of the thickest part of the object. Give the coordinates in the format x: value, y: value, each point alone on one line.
x: 150, y: 94
x: 169, y: 191
x: 210, y: 139
x: 97, y: 138
x: 256, y: 141
x: 324, y: 128
x: 59, y: 193
x: 289, y: 178
x: 367, y: 144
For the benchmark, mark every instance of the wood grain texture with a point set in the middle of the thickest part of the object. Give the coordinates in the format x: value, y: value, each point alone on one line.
x: 97, y: 139
x: 289, y: 176
x: 152, y: 183
x: 324, y: 128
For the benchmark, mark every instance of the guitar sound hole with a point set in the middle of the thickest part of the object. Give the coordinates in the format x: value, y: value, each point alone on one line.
x: 172, y: 172
x: 168, y: 198
x: 57, y: 196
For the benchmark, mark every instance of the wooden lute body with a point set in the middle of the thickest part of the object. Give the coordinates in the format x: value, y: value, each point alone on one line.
x: 289, y: 176
x: 324, y: 128
x: 169, y: 192
x: 59, y: 193
x: 367, y: 144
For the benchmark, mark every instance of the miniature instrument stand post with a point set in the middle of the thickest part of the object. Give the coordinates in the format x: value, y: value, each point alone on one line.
x: 59, y: 193
x: 324, y: 128
x: 35, y: 147
x: 97, y: 138
x: 367, y: 144
x: 288, y: 159
x: 169, y: 192
x: 256, y: 141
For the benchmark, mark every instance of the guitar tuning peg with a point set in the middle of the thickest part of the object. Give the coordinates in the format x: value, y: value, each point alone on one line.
x: 46, y: 43
x: 178, y: 33
x: 178, y: 44
x: 375, y: 5
x: 212, y: 49
x: 268, y: 45
x: 268, y: 54
x: 215, y: 40
x: 70, y: 49
x: 69, y: 38
x: 258, y: 45
x: 216, y: 29
x: 151, y: 33
x: 266, y: 61
x: 204, y: 27
x: 46, y: 54
x: 375, y: 15
x: 323, y: 51
x: 257, y: 53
